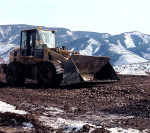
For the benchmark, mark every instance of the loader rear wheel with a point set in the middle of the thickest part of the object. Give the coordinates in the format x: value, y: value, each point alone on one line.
x: 15, y: 74
x: 46, y: 73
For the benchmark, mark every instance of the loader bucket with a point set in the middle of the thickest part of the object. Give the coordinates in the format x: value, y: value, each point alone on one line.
x: 81, y: 68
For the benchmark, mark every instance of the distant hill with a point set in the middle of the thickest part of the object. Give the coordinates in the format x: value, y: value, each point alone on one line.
x: 125, y: 48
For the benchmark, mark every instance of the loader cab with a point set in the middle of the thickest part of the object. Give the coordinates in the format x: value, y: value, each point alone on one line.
x: 32, y: 42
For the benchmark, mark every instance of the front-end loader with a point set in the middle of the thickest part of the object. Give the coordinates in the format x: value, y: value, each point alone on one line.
x: 38, y: 58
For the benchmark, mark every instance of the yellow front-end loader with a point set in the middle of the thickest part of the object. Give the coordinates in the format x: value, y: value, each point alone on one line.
x: 38, y: 58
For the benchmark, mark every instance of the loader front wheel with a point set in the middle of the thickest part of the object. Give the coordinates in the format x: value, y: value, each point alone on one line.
x: 15, y: 74
x: 46, y: 73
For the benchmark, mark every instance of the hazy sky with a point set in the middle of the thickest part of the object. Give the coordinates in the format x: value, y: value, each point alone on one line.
x: 104, y: 16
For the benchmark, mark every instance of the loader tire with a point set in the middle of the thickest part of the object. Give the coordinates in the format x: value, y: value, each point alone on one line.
x: 46, y: 73
x: 58, y: 79
x: 15, y: 74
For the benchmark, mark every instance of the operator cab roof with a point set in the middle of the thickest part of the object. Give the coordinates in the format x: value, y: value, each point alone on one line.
x: 53, y: 31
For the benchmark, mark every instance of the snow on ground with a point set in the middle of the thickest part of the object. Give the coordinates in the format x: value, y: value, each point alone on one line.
x: 129, y: 41
x: 28, y: 124
x: 4, y: 107
x: 12, y: 38
x: 144, y: 37
x: 5, y: 49
x: 1, y: 32
x: 59, y: 119
x: 146, y: 55
x: 134, y: 69
x: 92, y: 48
x: 69, y: 33
x: 106, y: 35
x: 127, y: 57
x: 58, y: 122
x: 121, y: 130
x: 129, y: 130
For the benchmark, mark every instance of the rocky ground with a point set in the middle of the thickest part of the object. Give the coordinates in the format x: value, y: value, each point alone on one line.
x: 115, y: 107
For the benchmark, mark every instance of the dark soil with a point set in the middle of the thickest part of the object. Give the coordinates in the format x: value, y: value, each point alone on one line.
x: 129, y: 97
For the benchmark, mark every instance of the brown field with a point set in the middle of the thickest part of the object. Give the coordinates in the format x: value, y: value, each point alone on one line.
x: 128, y: 100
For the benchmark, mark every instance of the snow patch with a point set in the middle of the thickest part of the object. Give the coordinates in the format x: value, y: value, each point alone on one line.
x: 5, y: 49
x: 69, y: 33
x: 28, y: 124
x: 119, y: 44
x: 72, y: 49
x: 146, y: 55
x: 87, y: 51
x: 62, y: 36
x: 57, y: 118
x: 92, y: 41
x: 105, y: 35
x: 121, y: 130
x: 8, y: 30
x: 126, y: 57
x: 12, y: 38
x: 92, y: 47
x: 61, y: 123
x: 53, y: 111
x: 134, y: 69
x: 129, y: 59
x: 145, y: 38
x: 1, y: 31
x: 118, y: 49
x: 4, y: 107
x: 106, y: 41
x: 129, y: 41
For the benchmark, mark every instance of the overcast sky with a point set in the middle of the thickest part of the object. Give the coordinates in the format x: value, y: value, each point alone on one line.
x: 103, y: 16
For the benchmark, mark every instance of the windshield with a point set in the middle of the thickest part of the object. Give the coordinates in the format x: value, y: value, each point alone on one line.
x: 45, y: 37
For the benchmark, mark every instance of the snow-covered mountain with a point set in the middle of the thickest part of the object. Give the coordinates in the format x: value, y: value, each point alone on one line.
x: 134, y: 69
x: 125, y: 48
x: 5, y: 49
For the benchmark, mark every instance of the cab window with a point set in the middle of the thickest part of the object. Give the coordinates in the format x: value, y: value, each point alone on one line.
x: 24, y: 40
x: 32, y: 39
x: 45, y: 37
